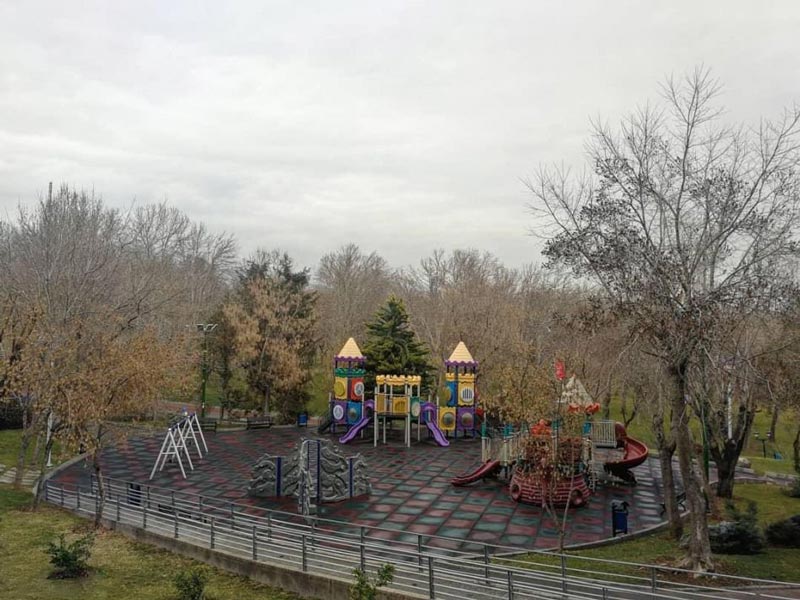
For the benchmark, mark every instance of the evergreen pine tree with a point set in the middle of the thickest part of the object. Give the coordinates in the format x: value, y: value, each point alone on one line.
x: 392, y: 347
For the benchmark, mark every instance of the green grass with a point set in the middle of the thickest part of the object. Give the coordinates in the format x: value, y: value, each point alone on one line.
x: 121, y: 568
x: 9, y: 449
x: 775, y: 563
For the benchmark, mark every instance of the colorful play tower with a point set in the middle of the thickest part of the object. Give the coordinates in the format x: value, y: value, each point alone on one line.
x: 348, y: 407
x: 399, y: 398
x: 458, y: 416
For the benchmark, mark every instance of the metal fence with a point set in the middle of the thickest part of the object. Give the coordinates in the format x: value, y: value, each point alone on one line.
x: 428, y: 566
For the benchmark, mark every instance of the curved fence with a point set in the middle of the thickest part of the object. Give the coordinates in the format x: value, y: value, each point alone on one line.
x: 427, y: 566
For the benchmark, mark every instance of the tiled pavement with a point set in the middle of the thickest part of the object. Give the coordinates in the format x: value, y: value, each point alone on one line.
x: 411, y: 490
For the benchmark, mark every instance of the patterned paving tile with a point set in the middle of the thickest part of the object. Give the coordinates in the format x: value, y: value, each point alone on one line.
x: 411, y: 490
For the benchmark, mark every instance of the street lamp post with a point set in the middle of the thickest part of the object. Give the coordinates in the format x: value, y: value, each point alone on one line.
x: 205, y: 329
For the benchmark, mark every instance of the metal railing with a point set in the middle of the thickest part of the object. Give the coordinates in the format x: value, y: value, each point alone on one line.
x: 430, y: 566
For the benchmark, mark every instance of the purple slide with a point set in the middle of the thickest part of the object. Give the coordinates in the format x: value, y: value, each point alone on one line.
x: 356, y: 429
x: 432, y: 426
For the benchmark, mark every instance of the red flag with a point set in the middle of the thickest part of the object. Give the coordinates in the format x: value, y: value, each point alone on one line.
x: 560, y: 370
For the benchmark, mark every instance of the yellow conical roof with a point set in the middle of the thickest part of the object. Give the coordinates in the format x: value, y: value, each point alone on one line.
x: 350, y: 350
x: 461, y: 354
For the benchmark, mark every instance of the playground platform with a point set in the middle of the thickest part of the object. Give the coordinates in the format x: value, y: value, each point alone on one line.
x: 411, y: 489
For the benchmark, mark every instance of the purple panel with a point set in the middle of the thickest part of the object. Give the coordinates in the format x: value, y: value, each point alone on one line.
x: 465, y: 418
x: 340, y: 412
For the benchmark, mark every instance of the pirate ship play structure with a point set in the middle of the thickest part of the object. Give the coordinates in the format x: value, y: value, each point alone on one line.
x: 543, y: 465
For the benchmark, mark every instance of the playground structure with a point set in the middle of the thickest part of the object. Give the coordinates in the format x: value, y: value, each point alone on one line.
x: 544, y: 466
x: 316, y: 471
x: 175, y: 445
x: 399, y: 398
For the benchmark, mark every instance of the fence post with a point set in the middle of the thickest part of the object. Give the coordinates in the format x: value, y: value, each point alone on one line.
x: 144, y: 518
x: 605, y: 594
x: 305, y: 566
x: 510, y: 578
x: 78, y: 501
x: 430, y: 577
x: 211, y: 534
x: 233, y: 511
x: 255, y: 544
x: 653, y: 579
x: 313, y: 533
x: 563, y: 573
x: 199, y: 504
x: 362, y: 550
x: 117, y: 508
x: 47, y: 491
x: 148, y: 496
x: 419, y: 551
x: 62, y: 494
x: 175, y: 516
x: 486, y: 563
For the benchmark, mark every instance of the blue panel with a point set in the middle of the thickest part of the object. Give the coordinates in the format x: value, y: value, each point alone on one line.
x: 453, y: 399
x: 353, y: 412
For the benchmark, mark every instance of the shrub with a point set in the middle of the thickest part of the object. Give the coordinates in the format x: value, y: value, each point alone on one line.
x: 365, y: 589
x: 191, y: 583
x: 70, y: 560
x: 785, y: 533
x: 740, y: 535
x: 794, y: 490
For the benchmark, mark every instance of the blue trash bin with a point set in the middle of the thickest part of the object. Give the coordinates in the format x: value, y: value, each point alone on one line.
x: 302, y: 419
x: 619, y: 517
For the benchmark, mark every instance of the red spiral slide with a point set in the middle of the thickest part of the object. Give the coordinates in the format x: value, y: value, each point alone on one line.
x: 635, y: 454
x: 486, y: 469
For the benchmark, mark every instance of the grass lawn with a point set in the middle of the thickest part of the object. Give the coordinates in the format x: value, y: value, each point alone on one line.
x: 121, y: 568
x: 9, y: 449
x: 780, y: 564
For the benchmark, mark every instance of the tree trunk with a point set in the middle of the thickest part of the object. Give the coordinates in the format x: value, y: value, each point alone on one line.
x: 24, y: 444
x: 699, y: 551
x: 39, y: 488
x: 774, y: 422
x: 665, y: 455
x: 101, y: 489
x: 726, y: 472
x: 796, y: 448
x: 666, y: 450
x: 607, y: 405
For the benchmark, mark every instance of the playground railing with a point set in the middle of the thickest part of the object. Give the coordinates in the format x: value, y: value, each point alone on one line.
x: 431, y: 566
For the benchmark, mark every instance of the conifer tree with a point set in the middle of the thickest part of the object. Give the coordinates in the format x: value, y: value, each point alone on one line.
x: 392, y: 346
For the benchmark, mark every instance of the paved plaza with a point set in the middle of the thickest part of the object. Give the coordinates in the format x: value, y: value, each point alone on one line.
x: 411, y: 489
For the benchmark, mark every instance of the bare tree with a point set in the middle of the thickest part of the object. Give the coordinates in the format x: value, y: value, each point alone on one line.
x: 685, y: 224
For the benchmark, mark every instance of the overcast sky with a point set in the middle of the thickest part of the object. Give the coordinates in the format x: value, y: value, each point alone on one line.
x: 401, y: 126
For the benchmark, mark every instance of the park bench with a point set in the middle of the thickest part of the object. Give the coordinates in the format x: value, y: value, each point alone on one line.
x: 209, y: 424
x: 259, y: 422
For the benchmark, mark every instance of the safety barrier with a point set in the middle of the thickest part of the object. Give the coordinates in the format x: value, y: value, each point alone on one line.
x: 424, y: 565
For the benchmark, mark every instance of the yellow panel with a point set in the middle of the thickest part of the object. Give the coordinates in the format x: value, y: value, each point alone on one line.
x: 380, y: 403
x: 466, y: 378
x: 400, y: 405
x: 466, y: 394
x: 450, y: 376
x: 380, y: 379
x: 447, y: 419
x: 340, y: 388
